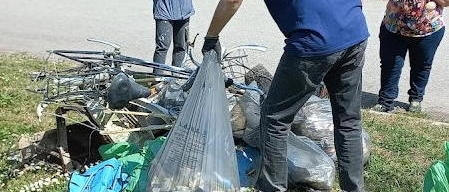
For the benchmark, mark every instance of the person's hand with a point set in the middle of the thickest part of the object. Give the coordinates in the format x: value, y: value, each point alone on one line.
x: 212, y: 43
x: 431, y: 5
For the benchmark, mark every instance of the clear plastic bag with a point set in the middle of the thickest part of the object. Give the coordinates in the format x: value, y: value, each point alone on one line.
x: 250, y: 104
x: 199, y: 154
x: 308, y: 165
x: 314, y: 121
x: 172, y: 97
x: 366, y: 146
x: 238, y: 121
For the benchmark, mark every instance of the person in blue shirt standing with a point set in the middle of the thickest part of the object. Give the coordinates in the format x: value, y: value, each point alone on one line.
x: 172, y: 22
x: 325, y: 41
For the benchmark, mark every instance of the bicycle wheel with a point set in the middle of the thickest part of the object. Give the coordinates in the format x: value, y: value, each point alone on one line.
x: 235, y: 61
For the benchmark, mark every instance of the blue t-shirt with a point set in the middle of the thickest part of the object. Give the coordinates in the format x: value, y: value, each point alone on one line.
x: 319, y: 27
x: 172, y: 9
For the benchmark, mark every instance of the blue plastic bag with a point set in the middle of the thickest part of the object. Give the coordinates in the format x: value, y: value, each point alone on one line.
x: 104, y: 177
x: 248, y: 160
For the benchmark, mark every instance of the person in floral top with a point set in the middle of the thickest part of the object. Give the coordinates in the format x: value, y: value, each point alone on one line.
x: 415, y: 26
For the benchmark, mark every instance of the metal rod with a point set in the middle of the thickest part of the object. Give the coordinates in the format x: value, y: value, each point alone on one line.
x: 148, y: 128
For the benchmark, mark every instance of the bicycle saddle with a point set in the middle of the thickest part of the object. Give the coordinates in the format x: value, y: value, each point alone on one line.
x: 123, y: 90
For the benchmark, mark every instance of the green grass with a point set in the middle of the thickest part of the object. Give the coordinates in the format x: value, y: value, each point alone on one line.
x: 402, y: 150
x: 403, y: 146
x: 18, y: 117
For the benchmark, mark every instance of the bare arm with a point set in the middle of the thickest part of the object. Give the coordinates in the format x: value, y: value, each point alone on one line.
x: 442, y: 3
x: 223, y: 13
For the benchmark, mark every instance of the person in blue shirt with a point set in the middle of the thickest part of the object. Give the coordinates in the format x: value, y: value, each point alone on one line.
x: 172, y: 22
x: 324, y: 41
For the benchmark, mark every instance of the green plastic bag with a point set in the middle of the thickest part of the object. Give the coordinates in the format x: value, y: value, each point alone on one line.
x: 117, y: 150
x: 135, y: 161
x: 437, y: 177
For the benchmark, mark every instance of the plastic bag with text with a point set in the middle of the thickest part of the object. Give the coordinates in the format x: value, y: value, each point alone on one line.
x: 199, y: 154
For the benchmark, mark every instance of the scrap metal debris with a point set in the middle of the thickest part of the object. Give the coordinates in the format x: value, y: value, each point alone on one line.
x: 200, y: 117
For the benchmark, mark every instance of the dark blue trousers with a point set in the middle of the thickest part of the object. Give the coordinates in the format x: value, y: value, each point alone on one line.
x: 393, y: 48
x: 295, y: 80
x: 165, y: 32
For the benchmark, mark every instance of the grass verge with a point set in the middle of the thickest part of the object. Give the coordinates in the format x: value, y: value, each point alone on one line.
x: 402, y: 150
x: 18, y: 117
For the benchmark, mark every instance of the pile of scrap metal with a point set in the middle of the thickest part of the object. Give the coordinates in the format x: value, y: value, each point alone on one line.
x: 113, y: 107
x: 104, y: 103
x: 110, y: 98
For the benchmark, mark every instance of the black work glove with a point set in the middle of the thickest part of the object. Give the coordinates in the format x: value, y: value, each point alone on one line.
x: 212, y: 43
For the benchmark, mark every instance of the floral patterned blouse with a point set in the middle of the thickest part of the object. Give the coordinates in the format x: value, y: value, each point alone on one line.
x: 412, y: 18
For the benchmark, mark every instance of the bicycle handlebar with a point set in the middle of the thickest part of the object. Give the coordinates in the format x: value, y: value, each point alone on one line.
x: 113, y: 45
x: 117, y: 57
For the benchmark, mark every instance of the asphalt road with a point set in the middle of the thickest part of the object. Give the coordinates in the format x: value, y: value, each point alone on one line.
x: 38, y: 25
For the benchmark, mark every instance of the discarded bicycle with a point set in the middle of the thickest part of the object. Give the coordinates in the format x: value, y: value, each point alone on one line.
x: 104, y: 88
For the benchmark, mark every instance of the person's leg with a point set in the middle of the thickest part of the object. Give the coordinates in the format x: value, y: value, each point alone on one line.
x: 164, y: 31
x: 344, y: 84
x: 392, y: 54
x: 180, y: 37
x: 422, y: 52
x: 294, y: 82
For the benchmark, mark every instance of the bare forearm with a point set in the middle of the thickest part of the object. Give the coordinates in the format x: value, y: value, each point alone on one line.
x: 443, y: 3
x: 223, y: 13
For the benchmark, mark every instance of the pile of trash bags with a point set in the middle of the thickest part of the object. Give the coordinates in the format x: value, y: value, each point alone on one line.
x: 308, y: 165
x: 311, y: 151
x: 199, y: 152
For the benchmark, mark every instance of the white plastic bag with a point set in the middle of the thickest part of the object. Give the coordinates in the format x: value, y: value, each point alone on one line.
x: 199, y: 154
x: 314, y: 121
x: 308, y: 165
